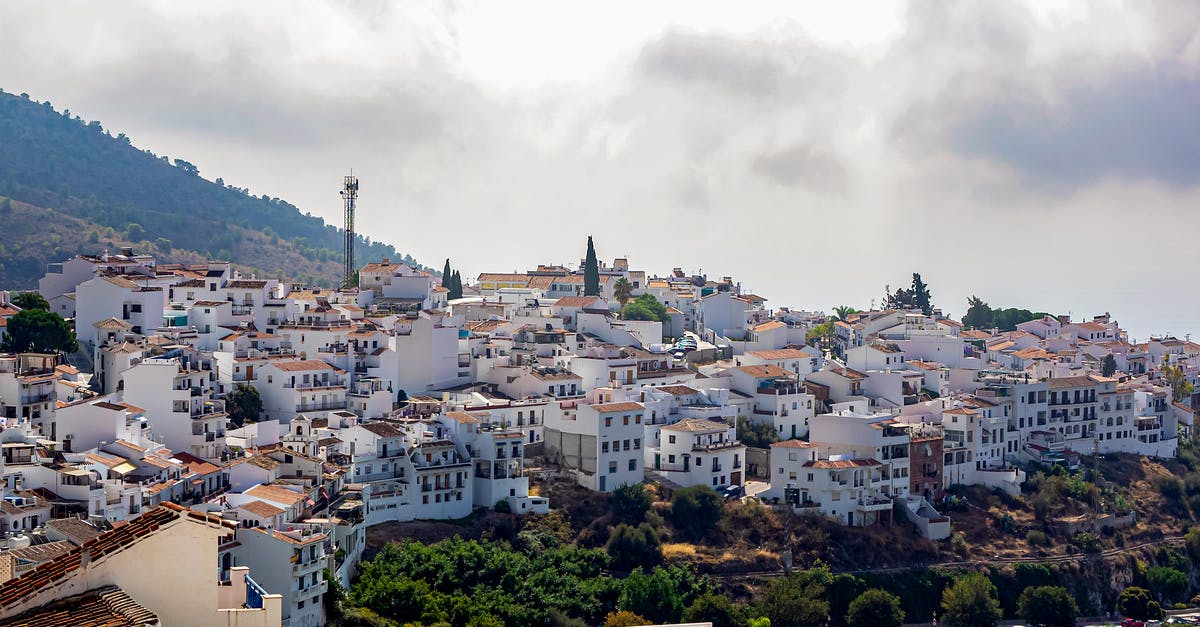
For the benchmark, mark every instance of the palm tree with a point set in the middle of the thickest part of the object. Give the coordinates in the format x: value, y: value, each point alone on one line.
x: 623, y: 291
x: 841, y: 312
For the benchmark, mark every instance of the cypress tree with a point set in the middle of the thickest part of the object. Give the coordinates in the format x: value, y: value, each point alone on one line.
x: 446, y: 274
x: 455, y: 286
x: 591, y: 271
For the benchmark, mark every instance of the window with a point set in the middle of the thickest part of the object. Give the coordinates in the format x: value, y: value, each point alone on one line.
x: 638, y: 419
x: 300, y: 604
x: 627, y: 445
x: 612, y: 467
x: 627, y: 421
x: 637, y: 444
x: 633, y: 464
x: 671, y: 460
x: 604, y: 447
x: 608, y: 421
x: 810, y: 477
x: 670, y: 439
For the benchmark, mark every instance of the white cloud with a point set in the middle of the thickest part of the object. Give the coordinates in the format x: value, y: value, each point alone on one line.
x: 814, y: 151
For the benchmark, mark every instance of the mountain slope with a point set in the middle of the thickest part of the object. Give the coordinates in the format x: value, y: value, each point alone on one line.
x: 75, y: 188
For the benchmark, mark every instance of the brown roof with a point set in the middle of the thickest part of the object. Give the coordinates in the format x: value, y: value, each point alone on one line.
x: 382, y: 429
x: 576, y: 301
x: 278, y: 494
x: 462, y: 417
x: 841, y: 463
x: 767, y: 326
x: 76, y: 530
x: 196, y: 464
x: 849, y: 373
x: 496, y: 277
x: 246, y: 284
x: 792, y: 444
x: 107, y: 606
x: 1056, y: 383
x: 678, y: 390
x: 698, y: 425
x: 307, y: 364
x: 261, y: 508
x: 614, y: 407
x: 782, y: 353
x: 136, y: 530
x: 764, y: 371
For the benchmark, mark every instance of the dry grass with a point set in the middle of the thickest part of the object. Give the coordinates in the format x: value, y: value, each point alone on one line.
x: 680, y: 550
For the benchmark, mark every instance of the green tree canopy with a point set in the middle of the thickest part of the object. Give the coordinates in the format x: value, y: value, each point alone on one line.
x: 842, y: 312
x: 713, y: 608
x: 695, y: 510
x: 591, y: 271
x: 30, y: 300
x: 623, y: 291
x: 652, y: 595
x: 446, y: 274
x: 455, y: 287
x: 1176, y: 378
x: 1168, y: 584
x: 1047, y: 606
x: 981, y: 316
x: 38, y: 331
x: 244, y: 404
x: 796, y: 600
x: 971, y: 602
x: 632, y: 547
x: 629, y: 503
x: 1138, y: 604
x: 625, y: 619
x: 646, y: 307
x: 875, y: 608
x: 1109, y: 366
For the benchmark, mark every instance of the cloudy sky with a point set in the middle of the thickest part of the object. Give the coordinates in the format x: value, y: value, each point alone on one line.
x: 1042, y: 155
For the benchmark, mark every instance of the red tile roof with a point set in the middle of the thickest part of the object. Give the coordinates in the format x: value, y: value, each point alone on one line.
x: 136, y: 530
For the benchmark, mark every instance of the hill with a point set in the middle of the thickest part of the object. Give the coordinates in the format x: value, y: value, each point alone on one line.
x: 68, y: 186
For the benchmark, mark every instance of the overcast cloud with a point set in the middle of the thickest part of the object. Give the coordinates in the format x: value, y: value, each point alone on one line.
x: 1042, y: 155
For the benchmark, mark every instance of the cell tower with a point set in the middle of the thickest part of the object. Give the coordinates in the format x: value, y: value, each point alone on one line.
x: 349, y: 195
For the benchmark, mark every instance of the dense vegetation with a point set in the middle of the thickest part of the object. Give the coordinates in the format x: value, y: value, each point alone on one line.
x: 645, y: 307
x: 981, y: 316
x: 629, y: 557
x: 68, y: 186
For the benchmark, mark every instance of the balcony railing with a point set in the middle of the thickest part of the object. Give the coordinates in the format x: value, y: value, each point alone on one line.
x: 254, y: 594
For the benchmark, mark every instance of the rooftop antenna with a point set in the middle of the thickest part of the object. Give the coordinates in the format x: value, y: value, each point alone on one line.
x: 349, y: 196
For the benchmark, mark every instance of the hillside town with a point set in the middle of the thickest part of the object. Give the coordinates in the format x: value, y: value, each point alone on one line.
x: 238, y: 435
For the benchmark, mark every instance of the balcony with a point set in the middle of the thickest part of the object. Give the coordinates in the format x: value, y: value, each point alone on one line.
x: 35, y: 399
x: 314, y: 385
x: 331, y: 406
x: 873, y: 504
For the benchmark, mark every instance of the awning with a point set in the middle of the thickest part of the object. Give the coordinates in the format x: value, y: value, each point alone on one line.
x: 124, y: 468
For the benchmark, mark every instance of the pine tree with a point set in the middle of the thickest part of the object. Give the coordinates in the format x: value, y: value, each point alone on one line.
x: 591, y: 271
x: 446, y: 274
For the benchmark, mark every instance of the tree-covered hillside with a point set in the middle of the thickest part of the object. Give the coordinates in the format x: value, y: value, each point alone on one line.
x: 76, y: 188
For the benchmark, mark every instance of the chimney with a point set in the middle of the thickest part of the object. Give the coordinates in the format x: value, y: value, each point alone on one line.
x: 84, y: 557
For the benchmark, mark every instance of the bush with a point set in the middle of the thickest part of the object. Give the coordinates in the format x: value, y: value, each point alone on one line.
x: 624, y: 619
x: 503, y: 506
x: 1168, y: 584
x: 630, y: 547
x: 629, y: 503
x: 1036, y: 537
x: 695, y: 510
x: 1136, y: 603
x: 713, y: 608
x: 1047, y: 606
x: 873, y: 608
x: 1171, y: 489
x: 1087, y: 542
x: 971, y: 602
